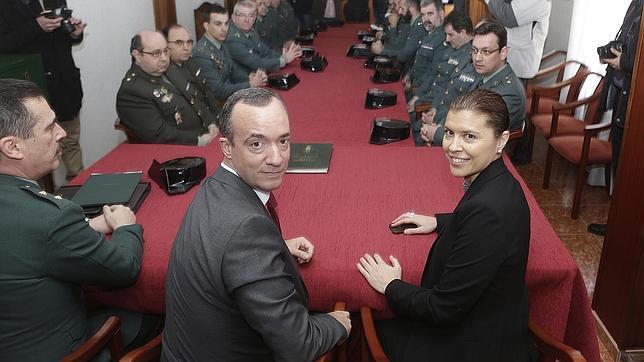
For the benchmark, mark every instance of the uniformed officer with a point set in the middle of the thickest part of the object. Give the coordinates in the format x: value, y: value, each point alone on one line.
x: 488, y: 69
x: 432, y: 46
x: 398, y: 26
x: 161, y: 108
x: 266, y: 24
x: 458, y: 34
x: 288, y: 24
x: 48, y: 248
x: 186, y: 73
x: 408, y: 47
x: 246, y: 48
x: 223, y: 75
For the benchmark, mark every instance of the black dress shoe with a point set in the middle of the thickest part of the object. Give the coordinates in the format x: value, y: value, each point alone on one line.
x: 598, y: 229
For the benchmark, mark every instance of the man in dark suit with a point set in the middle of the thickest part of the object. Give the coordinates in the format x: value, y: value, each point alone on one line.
x: 233, y: 290
x: 24, y: 29
x: 48, y: 248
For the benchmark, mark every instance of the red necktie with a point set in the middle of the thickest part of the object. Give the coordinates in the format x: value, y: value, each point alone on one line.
x: 271, y: 206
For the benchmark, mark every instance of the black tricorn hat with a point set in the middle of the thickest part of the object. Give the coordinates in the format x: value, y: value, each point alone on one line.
x: 315, y: 63
x: 358, y: 51
x: 378, y: 98
x: 283, y: 81
x: 386, y: 130
x: 386, y: 75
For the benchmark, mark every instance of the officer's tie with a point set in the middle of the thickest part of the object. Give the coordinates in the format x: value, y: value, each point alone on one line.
x: 271, y: 206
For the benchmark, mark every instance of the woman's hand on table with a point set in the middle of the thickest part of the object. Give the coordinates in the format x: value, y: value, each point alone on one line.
x: 301, y: 249
x: 424, y: 224
x: 377, y: 272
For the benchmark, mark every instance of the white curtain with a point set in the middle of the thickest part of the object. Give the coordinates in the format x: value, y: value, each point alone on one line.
x: 594, y: 23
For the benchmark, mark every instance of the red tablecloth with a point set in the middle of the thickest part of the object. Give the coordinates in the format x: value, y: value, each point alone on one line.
x: 346, y: 212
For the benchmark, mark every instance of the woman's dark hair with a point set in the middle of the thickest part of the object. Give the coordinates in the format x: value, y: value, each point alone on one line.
x: 488, y: 103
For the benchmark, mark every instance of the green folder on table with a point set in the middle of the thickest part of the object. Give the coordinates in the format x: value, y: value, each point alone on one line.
x: 107, y: 189
x: 310, y: 158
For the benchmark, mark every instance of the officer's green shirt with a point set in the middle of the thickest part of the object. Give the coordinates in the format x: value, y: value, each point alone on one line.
x: 428, y: 56
x: 250, y: 53
x: 504, y: 82
x: 47, y: 251
x: 165, y: 109
x: 411, y: 43
x: 222, y: 75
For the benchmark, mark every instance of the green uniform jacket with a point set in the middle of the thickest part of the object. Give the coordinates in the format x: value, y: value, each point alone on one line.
x: 222, y: 75
x: 287, y: 22
x: 47, y: 250
x: 453, y: 63
x: 411, y: 43
x: 395, y: 37
x: 428, y: 55
x: 269, y: 29
x: 167, y: 109
x: 248, y: 51
x: 504, y: 82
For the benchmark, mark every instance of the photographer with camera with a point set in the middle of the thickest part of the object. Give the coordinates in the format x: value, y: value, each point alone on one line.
x: 26, y: 27
x: 620, y: 55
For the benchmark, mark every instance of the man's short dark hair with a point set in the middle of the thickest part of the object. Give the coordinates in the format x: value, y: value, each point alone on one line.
x: 212, y: 9
x: 459, y: 21
x: 494, y: 27
x: 15, y: 118
x: 166, y: 29
x: 413, y: 4
x: 256, y: 97
x: 437, y: 3
x: 136, y: 43
x: 486, y: 102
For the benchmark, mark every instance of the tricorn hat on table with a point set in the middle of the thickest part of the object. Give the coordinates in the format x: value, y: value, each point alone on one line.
x: 359, y: 51
x: 386, y: 130
x: 178, y: 175
x: 386, y: 75
x: 316, y: 63
x: 381, y: 61
x: 284, y: 81
x: 378, y: 98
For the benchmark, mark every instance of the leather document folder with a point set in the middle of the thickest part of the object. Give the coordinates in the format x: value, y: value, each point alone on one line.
x: 107, y: 189
x: 310, y: 158
x: 140, y: 193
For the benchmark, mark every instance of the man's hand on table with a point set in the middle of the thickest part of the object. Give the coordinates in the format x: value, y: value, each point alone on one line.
x: 377, y: 272
x: 292, y: 52
x: 377, y: 47
x: 258, y: 78
x: 112, y: 218
x: 301, y: 249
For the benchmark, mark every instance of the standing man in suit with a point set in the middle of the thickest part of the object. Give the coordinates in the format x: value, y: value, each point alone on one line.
x: 247, y: 49
x: 48, y: 248
x: 223, y: 75
x: 24, y: 28
x: 158, y: 107
x: 233, y: 290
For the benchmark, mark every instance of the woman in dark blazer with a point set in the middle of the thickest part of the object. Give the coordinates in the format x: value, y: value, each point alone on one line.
x: 472, y: 303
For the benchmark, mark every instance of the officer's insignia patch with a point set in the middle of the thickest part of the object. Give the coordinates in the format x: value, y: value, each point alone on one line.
x: 58, y: 197
x: 452, y: 61
x: 177, y: 117
x: 198, y: 72
x: 44, y: 193
x: 156, y: 93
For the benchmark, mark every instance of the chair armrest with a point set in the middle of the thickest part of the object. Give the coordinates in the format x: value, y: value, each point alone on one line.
x: 552, y: 54
x: 516, y: 134
x: 151, y: 351
x: 370, y: 334
x: 420, y: 108
x: 593, y: 129
x: 341, y: 347
x: 547, y: 89
x: 551, y: 347
x: 575, y: 104
x: 108, y: 335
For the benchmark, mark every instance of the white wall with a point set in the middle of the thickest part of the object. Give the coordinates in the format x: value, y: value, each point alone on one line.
x: 103, y: 58
x: 560, y: 18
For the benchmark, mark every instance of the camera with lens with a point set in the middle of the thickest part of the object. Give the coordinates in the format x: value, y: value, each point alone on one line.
x: 61, y: 10
x: 604, y: 50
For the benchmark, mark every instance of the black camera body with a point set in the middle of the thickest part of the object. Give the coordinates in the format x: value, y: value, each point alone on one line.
x: 61, y: 10
x: 604, y: 50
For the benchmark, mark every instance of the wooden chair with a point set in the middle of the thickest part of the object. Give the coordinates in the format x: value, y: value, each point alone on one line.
x: 580, y: 150
x: 420, y: 108
x: 150, y: 352
x: 549, y: 348
x: 546, y: 71
x: 541, y: 122
x: 339, y: 352
x: 109, y: 335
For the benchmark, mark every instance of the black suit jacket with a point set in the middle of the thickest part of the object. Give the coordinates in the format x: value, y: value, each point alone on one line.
x: 233, y: 290
x: 472, y: 304
x: 20, y: 33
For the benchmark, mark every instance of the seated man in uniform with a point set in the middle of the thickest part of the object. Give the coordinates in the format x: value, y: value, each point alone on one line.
x: 160, y: 108
x: 223, y: 75
x: 186, y: 72
x: 48, y: 248
x: 489, y: 70
x: 246, y: 47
